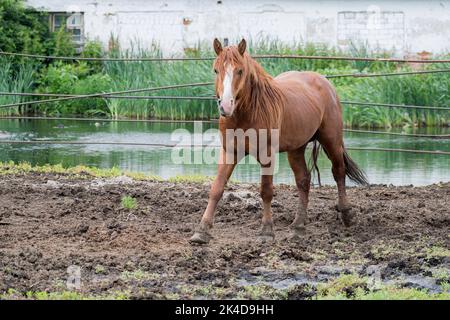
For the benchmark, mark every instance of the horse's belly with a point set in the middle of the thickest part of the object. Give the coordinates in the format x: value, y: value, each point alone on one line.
x: 299, y: 125
x: 307, y: 95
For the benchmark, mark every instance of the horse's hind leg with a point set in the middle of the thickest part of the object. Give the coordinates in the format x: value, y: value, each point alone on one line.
x: 334, y: 148
x: 303, y: 181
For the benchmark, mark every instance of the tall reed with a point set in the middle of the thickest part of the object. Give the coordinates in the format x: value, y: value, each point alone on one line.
x: 15, y: 77
x: 421, y: 90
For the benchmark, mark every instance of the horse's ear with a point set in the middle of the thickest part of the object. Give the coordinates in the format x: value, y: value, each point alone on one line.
x: 242, y: 46
x: 217, y: 46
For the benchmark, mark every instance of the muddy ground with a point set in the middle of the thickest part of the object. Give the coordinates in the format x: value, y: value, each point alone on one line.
x: 50, y: 222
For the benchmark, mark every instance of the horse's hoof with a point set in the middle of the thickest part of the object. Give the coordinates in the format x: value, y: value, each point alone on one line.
x: 346, y: 215
x: 200, y: 237
x: 266, y: 234
x: 348, y: 218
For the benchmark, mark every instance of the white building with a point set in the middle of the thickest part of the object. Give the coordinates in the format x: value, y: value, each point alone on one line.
x: 407, y: 26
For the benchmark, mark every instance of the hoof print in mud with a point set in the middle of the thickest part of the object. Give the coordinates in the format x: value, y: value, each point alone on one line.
x: 266, y: 237
x: 296, y: 237
x: 200, y: 238
x: 297, y: 234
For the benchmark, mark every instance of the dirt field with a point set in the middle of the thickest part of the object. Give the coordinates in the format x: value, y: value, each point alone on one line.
x: 49, y: 222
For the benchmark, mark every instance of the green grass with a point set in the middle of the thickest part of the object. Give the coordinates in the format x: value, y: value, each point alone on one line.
x: 344, y: 287
x: 128, y: 202
x: 12, y: 294
x: 354, y: 287
x: 83, y: 172
x: 190, y: 178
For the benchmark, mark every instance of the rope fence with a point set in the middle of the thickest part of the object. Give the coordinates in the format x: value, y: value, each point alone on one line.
x: 55, y: 142
x: 101, y: 95
x: 389, y: 74
x: 258, y: 56
x: 112, y: 96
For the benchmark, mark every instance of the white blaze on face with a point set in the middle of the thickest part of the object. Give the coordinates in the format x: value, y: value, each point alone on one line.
x: 227, y: 97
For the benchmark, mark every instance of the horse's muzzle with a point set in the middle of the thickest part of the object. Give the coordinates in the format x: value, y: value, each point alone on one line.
x: 221, y: 108
x: 222, y: 112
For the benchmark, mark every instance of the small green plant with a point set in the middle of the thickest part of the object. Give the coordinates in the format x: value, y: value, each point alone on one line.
x: 99, y: 269
x: 441, y: 275
x: 129, y: 203
x: 438, y: 252
x: 138, y: 275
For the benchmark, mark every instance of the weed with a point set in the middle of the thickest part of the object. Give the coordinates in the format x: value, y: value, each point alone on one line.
x: 128, y: 202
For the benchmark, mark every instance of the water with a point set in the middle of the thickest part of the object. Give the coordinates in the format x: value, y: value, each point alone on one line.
x: 381, y: 167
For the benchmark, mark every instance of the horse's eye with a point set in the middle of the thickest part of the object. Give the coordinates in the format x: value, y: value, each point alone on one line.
x: 239, y: 72
x: 215, y: 70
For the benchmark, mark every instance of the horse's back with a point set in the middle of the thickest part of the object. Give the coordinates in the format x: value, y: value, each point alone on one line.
x: 310, y: 97
x: 304, y: 80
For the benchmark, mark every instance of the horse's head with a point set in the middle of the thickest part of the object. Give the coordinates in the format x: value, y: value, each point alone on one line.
x: 231, y: 71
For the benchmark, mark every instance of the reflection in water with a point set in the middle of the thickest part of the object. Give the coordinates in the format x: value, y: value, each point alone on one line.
x: 381, y: 167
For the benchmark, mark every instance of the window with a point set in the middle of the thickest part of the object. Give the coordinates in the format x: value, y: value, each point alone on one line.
x: 72, y: 23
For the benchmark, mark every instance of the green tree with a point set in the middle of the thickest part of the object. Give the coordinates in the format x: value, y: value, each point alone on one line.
x: 22, y: 29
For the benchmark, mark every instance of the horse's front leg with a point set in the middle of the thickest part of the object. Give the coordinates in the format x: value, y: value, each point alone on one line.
x: 267, y: 233
x: 224, y: 171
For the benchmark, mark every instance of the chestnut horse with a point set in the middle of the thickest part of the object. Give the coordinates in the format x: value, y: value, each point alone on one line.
x: 303, y: 106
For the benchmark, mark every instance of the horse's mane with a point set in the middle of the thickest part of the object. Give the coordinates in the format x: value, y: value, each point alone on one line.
x: 260, y: 98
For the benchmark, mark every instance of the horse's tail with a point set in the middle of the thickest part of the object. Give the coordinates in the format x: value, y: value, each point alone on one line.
x: 351, y: 168
x: 313, y: 159
x: 353, y: 171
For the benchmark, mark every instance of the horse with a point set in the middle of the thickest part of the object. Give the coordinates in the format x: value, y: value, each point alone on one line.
x: 302, y: 107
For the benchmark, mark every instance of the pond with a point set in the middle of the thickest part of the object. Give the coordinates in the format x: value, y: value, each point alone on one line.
x: 381, y: 167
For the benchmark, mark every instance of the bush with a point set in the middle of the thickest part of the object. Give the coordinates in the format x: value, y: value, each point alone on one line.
x: 22, y: 29
x: 64, y: 78
x: 92, y: 84
x: 63, y: 44
x: 93, y: 49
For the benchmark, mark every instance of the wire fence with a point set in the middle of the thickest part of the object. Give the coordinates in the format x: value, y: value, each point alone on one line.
x: 107, y: 94
x: 117, y: 93
x: 257, y: 56
x: 356, y: 103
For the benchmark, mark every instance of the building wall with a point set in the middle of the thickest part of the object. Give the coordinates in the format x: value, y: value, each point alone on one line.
x: 407, y: 26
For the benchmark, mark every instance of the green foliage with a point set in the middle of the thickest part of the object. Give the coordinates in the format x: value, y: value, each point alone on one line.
x: 421, y: 90
x: 91, y: 84
x: 15, y: 78
x: 128, y: 202
x: 63, y: 44
x: 432, y: 89
x: 133, y: 75
x: 12, y: 294
x: 22, y: 29
x: 64, y: 78
x: 93, y: 49
x: 96, y: 77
